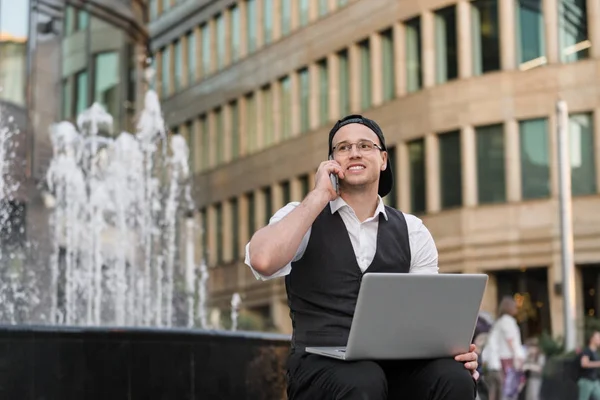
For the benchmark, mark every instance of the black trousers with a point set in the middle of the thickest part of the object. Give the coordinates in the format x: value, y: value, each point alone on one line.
x: 313, y: 377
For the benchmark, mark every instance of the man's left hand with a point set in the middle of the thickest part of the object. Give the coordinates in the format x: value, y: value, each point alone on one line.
x: 470, y: 360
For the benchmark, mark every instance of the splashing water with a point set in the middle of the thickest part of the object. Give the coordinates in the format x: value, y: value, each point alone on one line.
x: 8, y: 185
x: 117, y: 210
x: 202, y: 313
x: 236, y: 300
x: 121, y: 226
x: 18, y: 293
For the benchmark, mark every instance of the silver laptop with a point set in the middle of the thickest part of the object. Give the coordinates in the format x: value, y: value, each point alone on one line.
x: 412, y: 316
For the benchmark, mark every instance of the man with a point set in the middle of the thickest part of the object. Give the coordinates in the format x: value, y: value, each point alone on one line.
x: 323, y: 246
x: 589, y: 386
x: 503, y: 353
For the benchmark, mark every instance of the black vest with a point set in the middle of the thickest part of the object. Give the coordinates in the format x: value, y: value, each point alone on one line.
x: 322, y: 287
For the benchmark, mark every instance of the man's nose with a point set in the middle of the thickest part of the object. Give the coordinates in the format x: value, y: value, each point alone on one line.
x: 354, y: 153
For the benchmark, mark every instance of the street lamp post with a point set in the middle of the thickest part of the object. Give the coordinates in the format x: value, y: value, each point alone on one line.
x: 566, y: 225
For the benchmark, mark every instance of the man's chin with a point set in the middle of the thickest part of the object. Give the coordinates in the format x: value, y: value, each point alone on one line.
x: 356, y: 185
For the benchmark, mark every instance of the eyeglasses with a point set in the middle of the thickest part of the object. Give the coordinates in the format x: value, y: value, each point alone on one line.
x: 363, y: 146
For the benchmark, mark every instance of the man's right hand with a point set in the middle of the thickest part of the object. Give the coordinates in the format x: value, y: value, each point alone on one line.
x: 323, y: 181
x: 275, y: 245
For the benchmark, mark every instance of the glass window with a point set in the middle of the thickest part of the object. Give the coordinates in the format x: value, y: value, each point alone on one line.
x: 342, y: 2
x: 416, y: 157
x: 344, y: 83
x: 178, y: 63
x: 205, y: 49
x: 583, y: 165
x: 304, y: 5
x: 267, y: 106
x: 286, y: 15
x: 166, y: 4
x: 323, y: 92
x: 153, y: 9
x: 235, y: 33
x: 268, y: 20
x: 365, y: 74
x: 304, y: 99
x: 205, y: 142
x: 220, y: 135
x: 286, y: 192
x: 304, y: 189
x: 286, y: 107
x: 165, y: 71
x: 414, y: 78
x: 387, y: 64
x: 67, y: 98
x: 219, y: 235
x: 535, y: 170
x: 450, y: 169
x: 268, y: 204
x: 251, y: 214
x: 204, y: 234
x: 81, y: 92
x: 323, y: 7
x: 235, y: 130
x: 573, y: 30
x: 83, y: 20
x: 220, y: 41
x: 235, y: 228
x: 530, y: 34
x: 251, y: 25
x: 191, y: 59
x: 446, y: 45
x: 485, y: 36
x: 491, y: 186
x: 250, y: 124
x: 191, y: 141
x: 390, y: 199
x: 69, y: 23
x: 106, y: 82
x: 14, y: 31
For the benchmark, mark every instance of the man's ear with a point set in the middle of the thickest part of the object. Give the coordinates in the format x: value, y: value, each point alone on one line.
x: 384, y: 156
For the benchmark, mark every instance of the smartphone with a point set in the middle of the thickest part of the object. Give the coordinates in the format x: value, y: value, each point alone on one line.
x: 334, y: 181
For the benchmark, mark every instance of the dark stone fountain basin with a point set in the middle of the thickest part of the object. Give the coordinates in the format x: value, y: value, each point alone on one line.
x: 64, y: 363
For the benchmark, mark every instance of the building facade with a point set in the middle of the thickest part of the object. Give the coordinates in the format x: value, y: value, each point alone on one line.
x: 75, y: 51
x: 465, y: 92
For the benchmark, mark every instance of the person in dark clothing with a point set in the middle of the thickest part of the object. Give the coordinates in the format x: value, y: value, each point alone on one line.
x: 323, y: 246
x: 588, y: 383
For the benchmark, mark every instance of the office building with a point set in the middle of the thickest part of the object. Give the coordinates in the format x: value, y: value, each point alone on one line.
x: 465, y: 92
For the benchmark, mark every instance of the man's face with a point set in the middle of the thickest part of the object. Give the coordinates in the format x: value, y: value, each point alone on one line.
x: 361, y: 165
x: 596, y: 338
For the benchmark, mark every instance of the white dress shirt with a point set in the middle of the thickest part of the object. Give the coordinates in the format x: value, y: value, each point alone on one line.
x: 497, y: 347
x: 363, y: 235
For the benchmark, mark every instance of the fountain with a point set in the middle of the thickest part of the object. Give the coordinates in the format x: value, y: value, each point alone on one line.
x: 235, y: 307
x: 116, y: 221
x: 123, y: 287
x: 17, y: 289
x: 119, y: 206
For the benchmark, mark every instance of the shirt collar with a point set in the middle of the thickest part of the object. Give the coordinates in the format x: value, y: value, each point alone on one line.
x: 339, y: 203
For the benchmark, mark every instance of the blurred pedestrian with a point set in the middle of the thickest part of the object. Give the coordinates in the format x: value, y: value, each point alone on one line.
x: 588, y: 383
x: 534, y: 364
x: 503, y: 354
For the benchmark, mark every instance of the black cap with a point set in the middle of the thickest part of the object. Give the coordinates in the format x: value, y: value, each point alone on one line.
x: 386, y: 178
